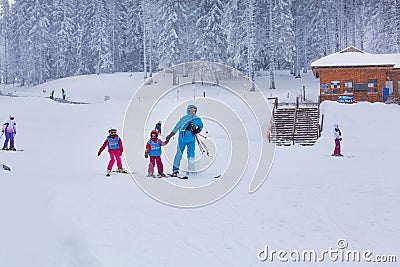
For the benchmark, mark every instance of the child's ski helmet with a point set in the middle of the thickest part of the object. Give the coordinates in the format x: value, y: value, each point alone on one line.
x: 154, y: 132
x: 112, y: 130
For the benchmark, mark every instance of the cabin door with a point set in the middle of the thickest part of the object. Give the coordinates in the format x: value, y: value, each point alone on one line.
x: 385, y: 94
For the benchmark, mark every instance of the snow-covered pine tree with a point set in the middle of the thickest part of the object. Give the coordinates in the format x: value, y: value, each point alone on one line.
x: 31, y: 39
x: 251, y: 42
x: 375, y: 27
x: 263, y: 51
x: 299, y: 20
x: 241, y: 32
x: 79, y: 38
x: 134, y: 36
x: 64, y: 28
x: 4, y: 40
x: 144, y: 10
x: 360, y: 23
x: 171, y: 47
x: 394, y: 14
x: 283, y: 23
x: 231, y: 27
x: 97, y: 33
x: 314, y: 36
x: 271, y: 43
x: 17, y: 28
x: 152, y: 33
x: 210, y: 44
x: 392, y: 22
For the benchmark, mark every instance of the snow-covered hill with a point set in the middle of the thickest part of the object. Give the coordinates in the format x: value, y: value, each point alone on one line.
x: 58, y: 209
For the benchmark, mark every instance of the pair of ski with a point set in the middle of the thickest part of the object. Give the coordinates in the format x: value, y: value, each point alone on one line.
x: 125, y: 172
x: 168, y: 175
x: 186, y: 177
x: 341, y: 156
x: 177, y: 176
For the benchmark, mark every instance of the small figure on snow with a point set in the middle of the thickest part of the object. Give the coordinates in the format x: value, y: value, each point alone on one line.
x: 10, y: 130
x: 63, y: 93
x: 115, y: 149
x: 158, y: 127
x: 153, y: 149
x: 188, y: 126
x: 338, y: 138
x: 52, y: 95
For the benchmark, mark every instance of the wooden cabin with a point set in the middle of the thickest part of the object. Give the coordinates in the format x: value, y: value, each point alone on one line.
x: 353, y: 75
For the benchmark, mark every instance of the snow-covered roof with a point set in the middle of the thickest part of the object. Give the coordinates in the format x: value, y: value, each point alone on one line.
x: 354, y: 57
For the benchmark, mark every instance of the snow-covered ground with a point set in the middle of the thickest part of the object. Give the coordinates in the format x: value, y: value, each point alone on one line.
x: 58, y: 209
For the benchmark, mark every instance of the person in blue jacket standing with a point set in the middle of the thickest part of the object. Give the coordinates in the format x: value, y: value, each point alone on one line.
x: 187, y: 127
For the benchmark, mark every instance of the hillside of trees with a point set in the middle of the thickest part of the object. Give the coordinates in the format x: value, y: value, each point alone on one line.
x: 50, y: 39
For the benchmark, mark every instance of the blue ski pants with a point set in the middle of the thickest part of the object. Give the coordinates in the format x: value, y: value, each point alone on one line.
x: 179, y: 152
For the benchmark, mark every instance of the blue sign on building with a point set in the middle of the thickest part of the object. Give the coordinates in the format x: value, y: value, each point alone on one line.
x: 345, y: 99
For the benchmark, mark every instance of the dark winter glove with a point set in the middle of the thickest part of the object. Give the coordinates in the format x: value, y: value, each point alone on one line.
x: 146, y: 155
x: 98, y: 153
x: 340, y: 139
x: 190, y: 127
x: 169, y: 137
x: 197, y: 130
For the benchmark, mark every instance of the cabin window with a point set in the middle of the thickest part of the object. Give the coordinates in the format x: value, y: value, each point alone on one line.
x: 335, y: 84
x: 372, y: 83
x: 325, y: 89
x: 360, y: 87
x: 335, y: 91
x: 348, y: 86
x: 372, y: 86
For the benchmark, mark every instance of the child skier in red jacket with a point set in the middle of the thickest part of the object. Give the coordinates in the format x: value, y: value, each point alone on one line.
x: 153, y: 149
x: 115, y: 150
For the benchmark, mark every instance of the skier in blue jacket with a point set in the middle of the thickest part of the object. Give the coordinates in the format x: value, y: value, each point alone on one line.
x: 188, y: 126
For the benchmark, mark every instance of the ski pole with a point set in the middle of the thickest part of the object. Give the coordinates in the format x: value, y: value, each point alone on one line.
x: 205, y: 137
x: 203, y: 146
x: 1, y: 135
x: 206, y: 148
x: 200, y: 145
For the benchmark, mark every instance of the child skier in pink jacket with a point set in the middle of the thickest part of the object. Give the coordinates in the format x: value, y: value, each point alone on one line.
x: 153, y: 149
x: 115, y: 150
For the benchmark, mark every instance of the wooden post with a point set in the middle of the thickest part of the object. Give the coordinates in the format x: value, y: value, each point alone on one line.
x: 322, y: 125
x: 174, y: 81
x: 294, y: 123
